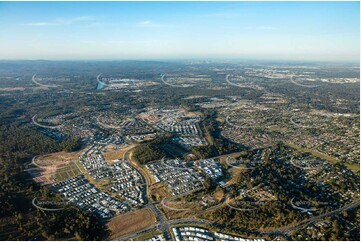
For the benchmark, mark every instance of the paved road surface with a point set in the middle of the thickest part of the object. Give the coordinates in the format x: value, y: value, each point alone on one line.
x: 285, y: 231
x: 163, y: 224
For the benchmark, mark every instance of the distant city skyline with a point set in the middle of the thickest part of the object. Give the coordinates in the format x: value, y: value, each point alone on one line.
x: 310, y: 31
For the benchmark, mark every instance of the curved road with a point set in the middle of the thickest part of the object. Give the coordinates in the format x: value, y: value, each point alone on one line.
x: 42, y: 85
x: 173, y: 85
x: 285, y: 231
x: 162, y: 221
x: 302, y: 85
x: 164, y: 224
x: 45, y: 126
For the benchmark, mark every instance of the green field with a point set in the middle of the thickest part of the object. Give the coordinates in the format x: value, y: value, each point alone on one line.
x: 355, y: 168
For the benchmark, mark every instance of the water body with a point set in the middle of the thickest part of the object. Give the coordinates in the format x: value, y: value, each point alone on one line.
x: 100, y: 85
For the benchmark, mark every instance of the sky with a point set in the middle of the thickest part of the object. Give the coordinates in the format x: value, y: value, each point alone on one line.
x: 325, y: 31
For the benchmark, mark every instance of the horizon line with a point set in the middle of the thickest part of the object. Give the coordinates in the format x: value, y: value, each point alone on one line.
x: 183, y: 59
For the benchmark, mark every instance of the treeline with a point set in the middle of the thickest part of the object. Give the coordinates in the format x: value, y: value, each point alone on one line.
x: 71, y: 144
x: 70, y: 222
x: 19, y: 219
x: 344, y: 226
x: 269, y: 215
x: 279, y: 176
x: 152, y: 150
x: 22, y: 141
x: 285, y: 182
x: 217, y: 144
x: 148, y: 152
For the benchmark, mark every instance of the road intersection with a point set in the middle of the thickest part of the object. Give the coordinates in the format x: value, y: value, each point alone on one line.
x: 164, y: 225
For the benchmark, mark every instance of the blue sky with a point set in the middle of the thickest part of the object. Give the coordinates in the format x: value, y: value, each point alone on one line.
x: 155, y: 30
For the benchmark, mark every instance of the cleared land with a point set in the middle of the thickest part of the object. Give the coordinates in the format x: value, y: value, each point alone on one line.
x: 355, y: 167
x: 59, y: 158
x: 12, y: 89
x: 130, y: 222
x: 66, y: 172
x: 58, y: 165
x: 112, y: 153
x: 171, y: 214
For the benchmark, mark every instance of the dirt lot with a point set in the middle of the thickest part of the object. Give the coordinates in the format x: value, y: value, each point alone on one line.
x: 130, y: 222
x: 113, y: 154
x: 12, y: 89
x: 44, y: 167
x: 58, y: 158
x: 218, y: 195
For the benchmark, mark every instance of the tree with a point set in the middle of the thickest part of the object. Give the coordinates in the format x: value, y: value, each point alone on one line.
x: 209, y: 184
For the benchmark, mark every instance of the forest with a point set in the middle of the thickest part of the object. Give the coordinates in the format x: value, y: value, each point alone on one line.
x: 19, y: 219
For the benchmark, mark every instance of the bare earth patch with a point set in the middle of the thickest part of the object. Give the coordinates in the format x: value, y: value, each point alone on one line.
x: 113, y: 153
x: 12, y: 89
x: 130, y: 222
x: 44, y: 167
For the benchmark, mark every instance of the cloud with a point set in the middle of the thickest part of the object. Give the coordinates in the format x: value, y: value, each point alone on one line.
x: 145, y: 23
x: 149, y: 24
x: 61, y: 21
x: 83, y: 18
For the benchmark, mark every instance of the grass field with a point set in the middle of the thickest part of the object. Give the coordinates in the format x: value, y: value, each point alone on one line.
x: 130, y: 222
x: 147, y: 236
x: 354, y: 167
x: 171, y: 214
x: 277, y: 128
x: 314, y: 153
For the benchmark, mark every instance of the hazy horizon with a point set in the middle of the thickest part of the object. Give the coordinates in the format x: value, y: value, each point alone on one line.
x: 110, y: 31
